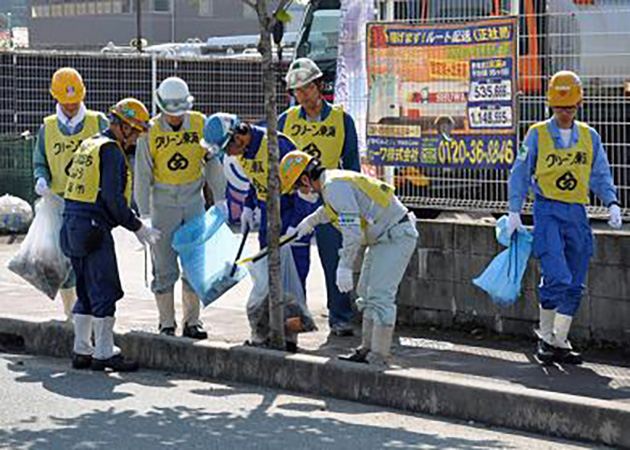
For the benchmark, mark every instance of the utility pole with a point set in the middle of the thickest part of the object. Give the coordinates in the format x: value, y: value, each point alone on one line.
x: 139, y: 25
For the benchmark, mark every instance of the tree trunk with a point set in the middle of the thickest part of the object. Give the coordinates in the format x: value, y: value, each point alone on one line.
x: 276, y: 312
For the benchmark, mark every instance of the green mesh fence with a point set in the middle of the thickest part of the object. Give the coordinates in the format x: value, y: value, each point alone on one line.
x: 16, y: 166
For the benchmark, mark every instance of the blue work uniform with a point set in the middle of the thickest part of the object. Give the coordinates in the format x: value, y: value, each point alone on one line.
x: 87, y: 240
x: 292, y: 208
x: 328, y: 238
x: 563, y: 239
x: 42, y: 169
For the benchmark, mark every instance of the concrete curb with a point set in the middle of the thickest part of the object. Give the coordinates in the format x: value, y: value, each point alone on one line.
x: 421, y: 391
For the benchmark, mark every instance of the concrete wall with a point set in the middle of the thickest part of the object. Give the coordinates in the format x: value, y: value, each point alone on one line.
x: 437, y: 286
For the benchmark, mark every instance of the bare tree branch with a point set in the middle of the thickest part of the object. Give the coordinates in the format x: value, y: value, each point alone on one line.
x: 251, y: 4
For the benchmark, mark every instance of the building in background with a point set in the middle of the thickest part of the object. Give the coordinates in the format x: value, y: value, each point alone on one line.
x: 90, y: 25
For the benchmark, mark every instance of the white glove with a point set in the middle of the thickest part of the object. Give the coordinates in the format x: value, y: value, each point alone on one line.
x: 513, y: 223
x: 41, y: 187
x: 615, y: 216
x: 306, y: 226
x: 344, y: 279
x: 221, y: 205
x: 148, y: 234
x: 247, y: 219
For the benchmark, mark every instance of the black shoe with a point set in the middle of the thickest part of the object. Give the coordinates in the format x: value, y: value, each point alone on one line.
x: 359, y: 356
x: 567, y: 356
x: 545, y: 352
x: 81, y: 361
x: 194, y: 332
x: 116, y: 363
x: 342, y: 330
x: 167, y: 331
x: 291, y: 347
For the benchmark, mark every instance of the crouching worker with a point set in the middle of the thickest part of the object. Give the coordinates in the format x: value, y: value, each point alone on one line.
x: 367, y: 212
x: 98, y: 199
x: 561, y: 160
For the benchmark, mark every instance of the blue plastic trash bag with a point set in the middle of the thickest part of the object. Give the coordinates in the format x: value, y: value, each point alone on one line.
x: 503, y: 276
x: 207, y: 249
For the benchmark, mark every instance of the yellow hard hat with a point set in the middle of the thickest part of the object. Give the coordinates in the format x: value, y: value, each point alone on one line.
x: 565, y: 89
x: 133, y: 112
x: 291, y: 168
x: 67, y: 86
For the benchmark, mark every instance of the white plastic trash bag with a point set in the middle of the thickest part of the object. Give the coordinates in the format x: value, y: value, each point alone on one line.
x: 15, y: 214
x: 40, y: 260
x: 297, y: 318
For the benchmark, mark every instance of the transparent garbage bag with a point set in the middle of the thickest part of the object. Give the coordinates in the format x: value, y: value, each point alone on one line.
x: 15, y: 214
x: 207, y: 249
x: 503, y: 277
x: 297, y: 317
x: 40, y: 260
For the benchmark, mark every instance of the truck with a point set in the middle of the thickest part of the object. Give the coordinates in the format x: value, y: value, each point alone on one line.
x: 589, y: 37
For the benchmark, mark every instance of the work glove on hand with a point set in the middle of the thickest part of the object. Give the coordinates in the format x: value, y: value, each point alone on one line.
x: 615, y: 216
x: 221, y: 205
x: 513, y: 223
x: 41, y: 187
x: 306, y: 226
x: 344, y: 279
x: 247, y: 219
x: 148, y: 234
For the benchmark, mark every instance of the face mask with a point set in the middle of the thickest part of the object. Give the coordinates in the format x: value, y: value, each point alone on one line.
x: 311, y: 197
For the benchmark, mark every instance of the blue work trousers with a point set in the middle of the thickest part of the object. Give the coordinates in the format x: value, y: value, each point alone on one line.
x: 329, y: 243
x: 90, y: 247
x: 563, y: 241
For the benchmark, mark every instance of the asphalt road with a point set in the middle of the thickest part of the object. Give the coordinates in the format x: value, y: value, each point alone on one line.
x: 47, y: 405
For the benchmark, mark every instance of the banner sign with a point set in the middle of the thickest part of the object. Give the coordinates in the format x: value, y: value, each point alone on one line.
x: 442, y: 95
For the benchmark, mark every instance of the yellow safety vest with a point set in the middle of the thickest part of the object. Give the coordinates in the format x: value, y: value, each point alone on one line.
x: 379, y: 191
x: 564, y: 174
x: 257, y: 169
x: 178, y: 156
x: 60, y: 148
x: 324, y: 139
x: 84, y: 179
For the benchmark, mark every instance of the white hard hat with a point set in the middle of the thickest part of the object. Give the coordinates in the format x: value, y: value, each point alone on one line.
x: 301, y: 72
x: 173, y: 97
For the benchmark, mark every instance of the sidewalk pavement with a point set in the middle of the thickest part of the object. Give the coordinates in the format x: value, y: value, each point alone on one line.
x: 493, y: 382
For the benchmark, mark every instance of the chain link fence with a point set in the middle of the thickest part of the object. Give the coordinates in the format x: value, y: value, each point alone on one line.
x: 590, y: 37
x: 229, y: 84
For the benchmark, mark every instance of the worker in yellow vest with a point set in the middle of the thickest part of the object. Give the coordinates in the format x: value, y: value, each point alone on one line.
x: 98, y: 199
x: 170, y: 169
x: 227, y: 134
x: 367, y: 213
x: 561, y: 159
x: 328, y: 133
x: 58, y: 138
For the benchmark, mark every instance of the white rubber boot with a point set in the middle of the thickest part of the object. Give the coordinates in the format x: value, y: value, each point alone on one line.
x: 106, y: 354
x: 166, y: 311
x: 379, y: 355
x: 192, y: 306
x: 545, y: 325
x: 83, y: 334
x: 562, y: 325
x: 104, y: 338
x: 68, y: 298
x: 360, y: 354
x: 563, y: 352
